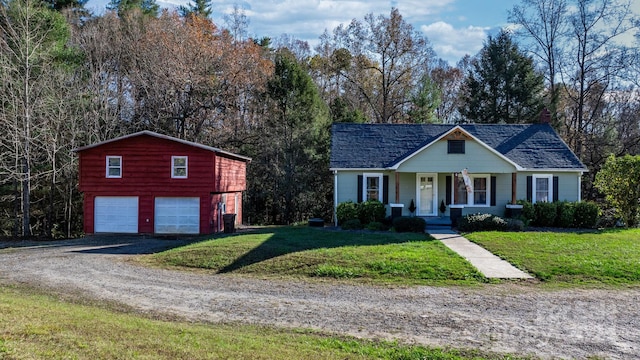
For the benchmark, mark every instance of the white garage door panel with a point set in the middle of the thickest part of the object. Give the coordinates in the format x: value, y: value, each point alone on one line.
x: 115, y: 214
x: 177, y: 215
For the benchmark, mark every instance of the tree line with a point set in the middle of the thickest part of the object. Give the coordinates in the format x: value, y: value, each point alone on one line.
x: 70, y: 78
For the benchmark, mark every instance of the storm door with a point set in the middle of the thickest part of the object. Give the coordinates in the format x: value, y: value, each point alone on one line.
x: 427, y: 194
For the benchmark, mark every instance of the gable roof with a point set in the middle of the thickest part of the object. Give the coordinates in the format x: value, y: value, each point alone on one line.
x: 165, y: 137
x: 385, y: 146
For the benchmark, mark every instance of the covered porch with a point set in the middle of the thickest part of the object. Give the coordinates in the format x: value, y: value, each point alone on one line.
x: 434, y: 194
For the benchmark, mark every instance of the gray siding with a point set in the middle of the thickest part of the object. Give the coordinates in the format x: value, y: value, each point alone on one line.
x: 477, y: 158
x: 568, y: 184
x: 347, y: 189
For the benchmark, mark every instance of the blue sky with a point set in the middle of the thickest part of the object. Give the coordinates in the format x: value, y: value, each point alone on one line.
x: 454, y: 27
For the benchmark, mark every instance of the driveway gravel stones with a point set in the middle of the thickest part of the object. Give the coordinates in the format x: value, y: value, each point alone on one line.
x: 511, y: 317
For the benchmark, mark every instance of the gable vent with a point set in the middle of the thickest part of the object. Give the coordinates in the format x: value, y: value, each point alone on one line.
x: 455, y: 146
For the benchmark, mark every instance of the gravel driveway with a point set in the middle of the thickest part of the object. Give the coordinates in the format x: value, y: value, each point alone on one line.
x: 502, y: 318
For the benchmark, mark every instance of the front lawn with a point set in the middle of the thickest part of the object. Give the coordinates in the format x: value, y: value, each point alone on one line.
x: 306, y: 252
x: 607, y: 257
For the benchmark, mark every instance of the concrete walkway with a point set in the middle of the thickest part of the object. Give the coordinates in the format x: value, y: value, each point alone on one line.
x: 488, y: 264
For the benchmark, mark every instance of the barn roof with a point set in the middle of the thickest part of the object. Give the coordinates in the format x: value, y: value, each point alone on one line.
x: 165, y: 137
x: 384, y: 146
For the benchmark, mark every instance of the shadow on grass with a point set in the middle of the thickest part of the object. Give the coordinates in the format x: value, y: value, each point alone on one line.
x: 288, y: 240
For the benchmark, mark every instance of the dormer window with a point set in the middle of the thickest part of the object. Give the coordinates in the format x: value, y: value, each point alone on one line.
x: 179, y: 167
x: 114, y: 166
x: 455, y: 146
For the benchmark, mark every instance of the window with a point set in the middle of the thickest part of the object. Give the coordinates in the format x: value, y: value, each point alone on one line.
x: 480, y: 192
x: 455, y: 146
x: 459, y: 190
x: 179, y: 167
x: 542, y: 188
x: 114, y: 166
x: 372, y: 189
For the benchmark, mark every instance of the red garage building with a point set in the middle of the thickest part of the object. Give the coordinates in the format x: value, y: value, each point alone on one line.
x: 152, y: 183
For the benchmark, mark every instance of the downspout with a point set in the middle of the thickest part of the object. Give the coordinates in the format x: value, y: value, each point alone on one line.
x: 580, y: 187
x: 335, y: 197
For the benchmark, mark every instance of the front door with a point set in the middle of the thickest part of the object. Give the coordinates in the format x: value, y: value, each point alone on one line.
x: 427, y: 194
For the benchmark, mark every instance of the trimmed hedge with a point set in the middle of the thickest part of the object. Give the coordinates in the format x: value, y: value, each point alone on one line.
x: 409, y: 224
x: 546, y: 214
x: 488, y: 222
x: 347, y: 211
x: 565, y: 216
x: 366, y: 212
x: 371, y: 211
x: 562, y: 214
x: 586, y: 214
x: 377, y: 226
x: 353, y: 224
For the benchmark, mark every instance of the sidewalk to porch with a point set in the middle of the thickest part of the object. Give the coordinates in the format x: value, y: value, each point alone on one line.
x: 487, y: 263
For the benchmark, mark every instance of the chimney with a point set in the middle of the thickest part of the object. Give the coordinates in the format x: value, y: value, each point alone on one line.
x: 545, y: 116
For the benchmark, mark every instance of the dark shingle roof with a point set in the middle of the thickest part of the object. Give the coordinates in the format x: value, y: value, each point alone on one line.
x: 379, y: 146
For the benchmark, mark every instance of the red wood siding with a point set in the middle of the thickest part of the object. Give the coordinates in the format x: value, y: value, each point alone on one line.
x: 230, y: 174
x: 146, y: 163
x: 233, y: 206
x: 146, y: 173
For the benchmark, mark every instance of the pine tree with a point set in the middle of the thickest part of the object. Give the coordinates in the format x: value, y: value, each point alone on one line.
x: 148, y: 7
x: 197, y: 7
x: 503, y: 85
x: 65, y: 4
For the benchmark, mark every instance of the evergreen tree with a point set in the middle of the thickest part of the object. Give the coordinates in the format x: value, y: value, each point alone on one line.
x: 148, y: 7
x: 196, y: 7
x: 66, y: 4
x: 289, y: 170
x: 502, y: 86
x: 425, y: 101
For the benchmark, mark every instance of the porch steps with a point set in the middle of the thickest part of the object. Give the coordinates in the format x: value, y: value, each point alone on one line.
x: 437, y: 222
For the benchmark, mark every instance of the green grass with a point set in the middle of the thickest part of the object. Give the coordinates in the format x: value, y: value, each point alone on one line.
x: 36, y: 326
x: 383, y: 258
x: 608, y: 257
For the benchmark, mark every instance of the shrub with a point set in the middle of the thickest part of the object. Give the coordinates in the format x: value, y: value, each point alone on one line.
x: 565, y: 216
x: 409, y: 224
x: 371, y: 211
x: 608, y: 218
x: 528, y: 214
x: 353, y: 224
x: 586, y: 214
x: 482, y: 222
x: 545, y: 214
x: 619, y: 181
x: 377, y: 226
x: 515, y: 225
x: 347, y: 211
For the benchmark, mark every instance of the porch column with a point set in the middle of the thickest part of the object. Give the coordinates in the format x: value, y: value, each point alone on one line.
x: 397, y: 187
x: 514, y: 186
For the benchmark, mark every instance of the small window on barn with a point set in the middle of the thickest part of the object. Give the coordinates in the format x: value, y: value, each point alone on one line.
x: 114, y: 166
x: 455, y: 147
x: 179, y: 167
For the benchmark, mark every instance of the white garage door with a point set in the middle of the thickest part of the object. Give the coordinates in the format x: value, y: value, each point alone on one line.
x: 177, y: 215
x: 115, y: 214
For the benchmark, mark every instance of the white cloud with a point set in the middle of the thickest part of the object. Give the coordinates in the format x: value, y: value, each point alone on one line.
x: 452, y: 44
x: 307, y: 19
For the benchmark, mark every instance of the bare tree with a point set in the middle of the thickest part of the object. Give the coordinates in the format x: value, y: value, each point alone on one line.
x: 543, y: 21
x: 593, y: 60
x: 34, y: 37
x: 381, y: 61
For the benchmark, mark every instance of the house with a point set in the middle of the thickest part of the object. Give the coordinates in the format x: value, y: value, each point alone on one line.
x: 152, y: 183
x: 473, y: 168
